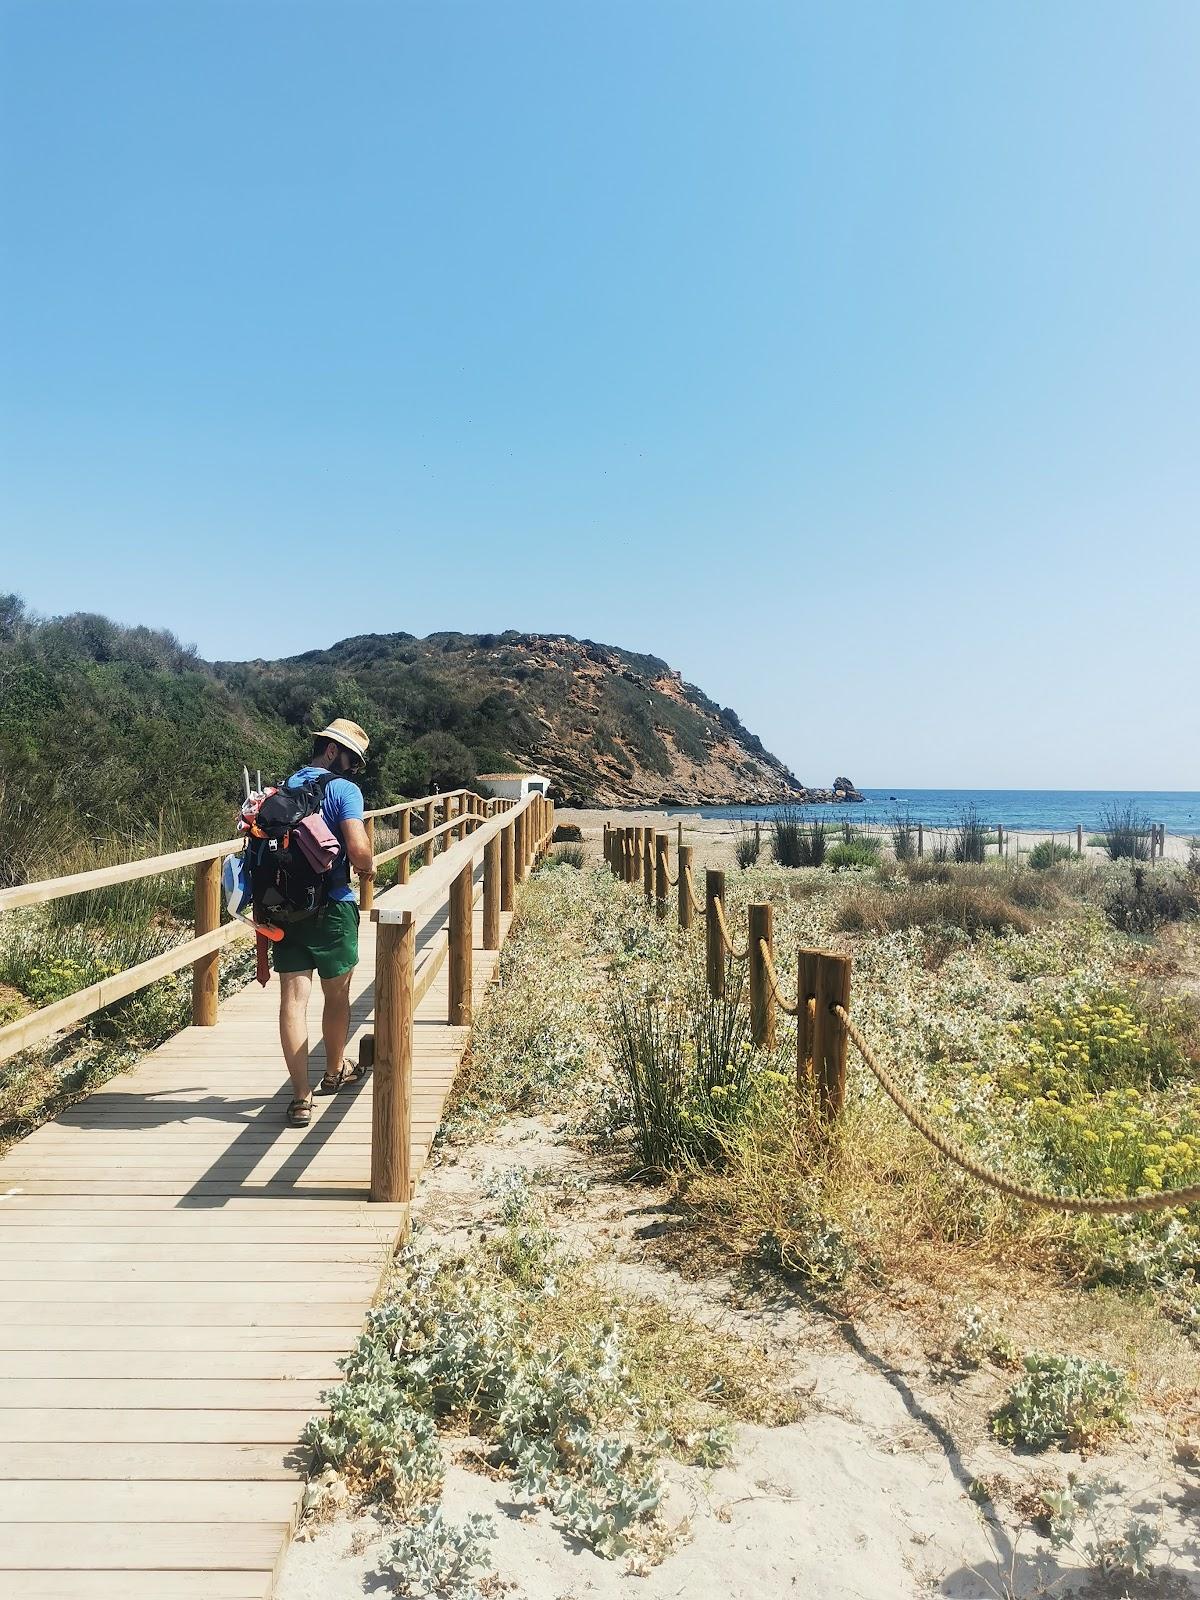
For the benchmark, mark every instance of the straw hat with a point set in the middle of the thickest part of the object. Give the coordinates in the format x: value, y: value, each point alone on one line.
x: 345, y: 733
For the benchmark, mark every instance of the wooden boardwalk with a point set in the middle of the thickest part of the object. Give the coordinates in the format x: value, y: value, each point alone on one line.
x: 179, y: 1272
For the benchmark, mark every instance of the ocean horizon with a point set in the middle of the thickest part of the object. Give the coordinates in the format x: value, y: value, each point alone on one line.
x: 1034, y: 810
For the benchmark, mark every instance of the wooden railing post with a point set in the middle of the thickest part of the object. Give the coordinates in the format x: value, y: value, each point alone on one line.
x: 366, y: 886
x: 631, y: 854
x: 920, y: 838
x: 391, y: 1078
x: 404, y: 866
x: 461, y: 939
x: 684, y: 867
x: 507, y: 867
x: 206, y: 973
x: 714, y: 945
x: 427, y: 827
x: 806, y: 994
x: 662, y: 872
x: 520, y: 828
x: 648, y: 864
x: 762, y: 1002
x: 830, y: 1039
x: 1079, y: 838
x: 605, y: 844
x: 491, y: 894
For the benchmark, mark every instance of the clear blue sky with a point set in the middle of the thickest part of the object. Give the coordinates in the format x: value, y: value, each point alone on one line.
x: 846, y: 355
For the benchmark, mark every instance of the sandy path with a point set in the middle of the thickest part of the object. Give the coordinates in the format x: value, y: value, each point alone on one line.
x: 866, y: 1498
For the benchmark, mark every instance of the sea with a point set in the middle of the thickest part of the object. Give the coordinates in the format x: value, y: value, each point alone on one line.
x: 1032, y: 810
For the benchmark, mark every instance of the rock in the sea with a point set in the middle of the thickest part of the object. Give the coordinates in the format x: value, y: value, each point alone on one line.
x: 843, y: 789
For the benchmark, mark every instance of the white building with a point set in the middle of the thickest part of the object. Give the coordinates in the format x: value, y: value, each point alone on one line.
x: 514, y: 785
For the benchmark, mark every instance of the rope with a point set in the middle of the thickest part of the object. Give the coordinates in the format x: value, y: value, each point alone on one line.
x: 735, y: 954
x: 697, y: 903
x: 1016, y: 1191
x: 773, y: 981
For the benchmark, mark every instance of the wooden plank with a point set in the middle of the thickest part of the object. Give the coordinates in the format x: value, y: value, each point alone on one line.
x: 96, y: 1365
x: 222, y: 1463
x: 225, y: 1337
x: 211, y: 1310
x: 75, y: 1425
x: 59, y: 1500
x: 125, y: 1585
x: 162, y: 1546
x: 166, y: 1394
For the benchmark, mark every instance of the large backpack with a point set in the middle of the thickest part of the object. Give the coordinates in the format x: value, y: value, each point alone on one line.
x: 284, y: 885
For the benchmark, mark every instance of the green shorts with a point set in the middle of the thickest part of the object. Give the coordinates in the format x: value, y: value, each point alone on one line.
x: 328, y: 942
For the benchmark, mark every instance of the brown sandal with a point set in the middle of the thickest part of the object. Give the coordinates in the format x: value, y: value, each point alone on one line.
x: 346, y: 1074
x: 299, y: 1113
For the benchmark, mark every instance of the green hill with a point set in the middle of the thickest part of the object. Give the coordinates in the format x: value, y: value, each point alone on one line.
x: 110, y: 732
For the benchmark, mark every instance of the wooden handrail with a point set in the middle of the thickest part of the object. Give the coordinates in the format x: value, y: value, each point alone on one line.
x: 39, y: 1025
x: 37, y: 894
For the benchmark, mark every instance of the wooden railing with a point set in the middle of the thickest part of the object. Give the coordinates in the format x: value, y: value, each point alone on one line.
x: 510, y: 845
x: 642, y: 856
x: 460, y: 809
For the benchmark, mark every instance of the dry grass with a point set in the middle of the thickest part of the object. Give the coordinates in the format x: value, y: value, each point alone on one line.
x: 973, y: 907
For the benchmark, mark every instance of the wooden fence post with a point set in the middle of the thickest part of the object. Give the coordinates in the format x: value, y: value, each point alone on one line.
x: 491, y: 894
x: 714, y: 947
x: 683, y: 866
x: 999, y: 839
x: 366, y: 886
x: 461, y: 939
x: 206, y: 973
x: 806, y: 994
x: 427, y: 827
x: 920, y: 838
x: 507, y: 867
x: 762, y: 1003
x: 662, y: 872
x: 391, y: 1077
x: 829, y: 1033
x: 606, y: 844
x: 1079, y: 838
x: 404, y: 865
x: 648, y: 865
x: 520, y: 822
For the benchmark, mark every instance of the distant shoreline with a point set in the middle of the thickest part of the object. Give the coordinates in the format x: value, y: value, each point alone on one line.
x: 726, y: 830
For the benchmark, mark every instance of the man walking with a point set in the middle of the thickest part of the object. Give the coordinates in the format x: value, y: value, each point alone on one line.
x: 328, y: 941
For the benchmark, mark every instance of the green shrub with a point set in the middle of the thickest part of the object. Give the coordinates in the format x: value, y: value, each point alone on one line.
x: 747, y: 847
x: 970, y: 837
x: 904, y: 836
x: 795, y: 844
x: 1046, y: 853
x: 1065, y: 1399
x: 1125, y: 832
x: 1147, y: 899
x: 862, y: 852
x: 567, y: 855
x: 687, y: 1062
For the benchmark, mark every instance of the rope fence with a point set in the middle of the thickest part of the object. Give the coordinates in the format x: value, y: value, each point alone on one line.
x: 824, y: 1028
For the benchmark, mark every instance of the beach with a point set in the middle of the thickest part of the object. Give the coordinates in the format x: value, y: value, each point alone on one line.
x: 715, y: 838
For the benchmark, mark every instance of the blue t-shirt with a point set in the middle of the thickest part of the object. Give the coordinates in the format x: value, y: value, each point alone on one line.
x: 342, y: 799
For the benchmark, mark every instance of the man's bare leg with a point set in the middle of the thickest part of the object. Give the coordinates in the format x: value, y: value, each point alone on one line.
x: 335, y: 1020
x: 294, y: 990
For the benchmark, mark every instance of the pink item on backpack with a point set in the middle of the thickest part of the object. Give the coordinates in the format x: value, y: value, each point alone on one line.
x: 319, y: 847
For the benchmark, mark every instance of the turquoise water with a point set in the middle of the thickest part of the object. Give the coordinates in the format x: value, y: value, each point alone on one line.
x: 1048, y: 810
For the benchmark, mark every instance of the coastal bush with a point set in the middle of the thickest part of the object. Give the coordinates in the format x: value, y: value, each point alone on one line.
x: 862, y: 852
x: 786, y: 830
x: 1147, y: 898
x: 687, y: 1062
x: 970, y: 836
x: 972, y: 907
x: 567, y: 855
x: 1046, y: 853
x: 1067, y: 1400
x: 904, y: 836
x: 747, y: 848
x: 1125, y: 832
